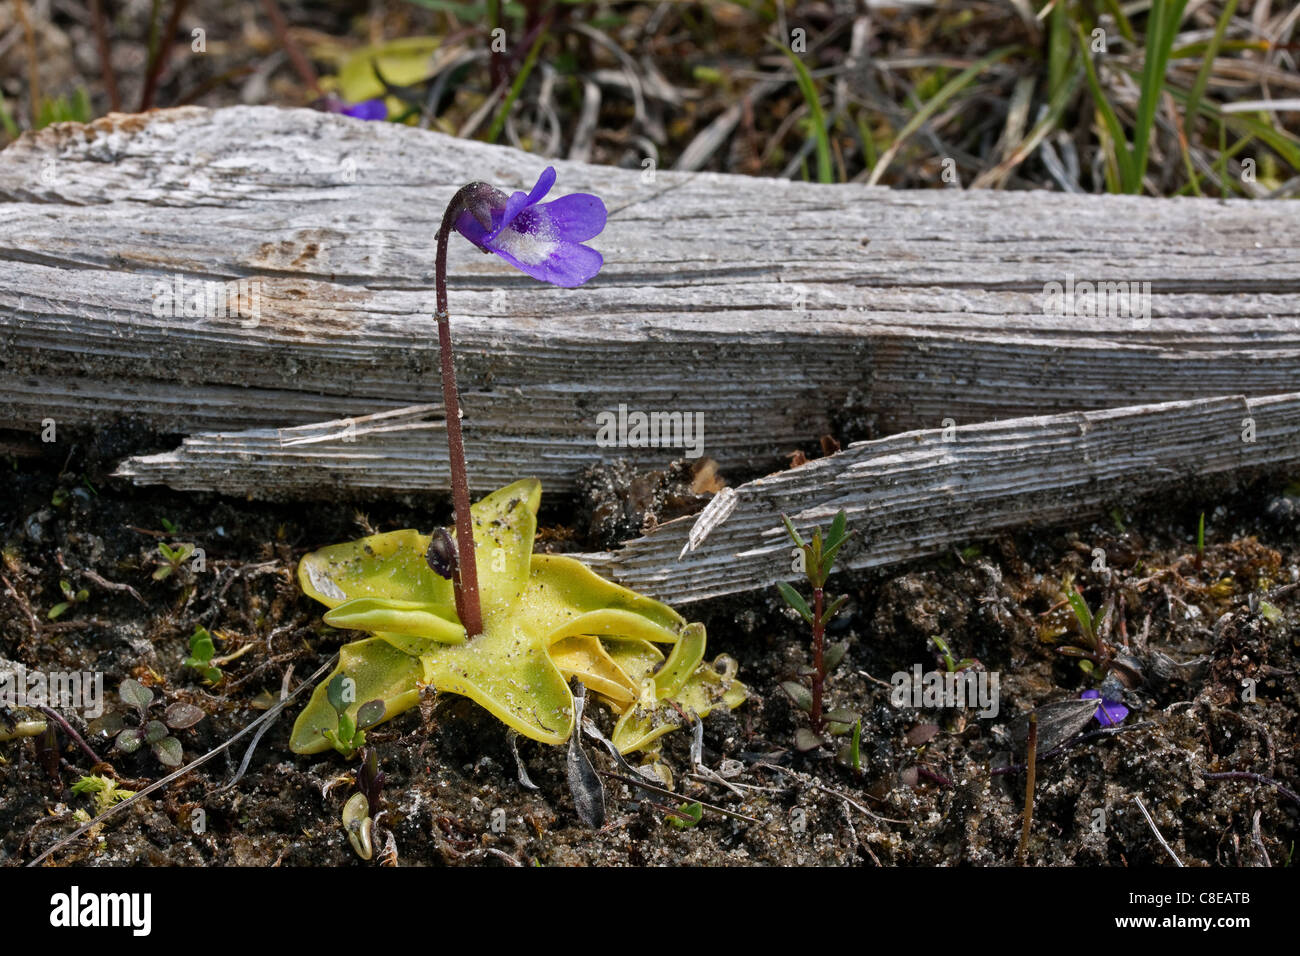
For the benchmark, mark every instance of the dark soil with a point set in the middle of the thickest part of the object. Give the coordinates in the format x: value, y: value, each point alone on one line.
x: 934, y: 786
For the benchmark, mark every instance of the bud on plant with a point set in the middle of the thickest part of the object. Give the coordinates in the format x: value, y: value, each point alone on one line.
x: 441, y: 556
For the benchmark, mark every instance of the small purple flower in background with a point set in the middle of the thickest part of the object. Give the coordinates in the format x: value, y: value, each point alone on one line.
x: 543, y: 240
x: 367, y: 110
x: 1110, y: 713
x: 374, y: 109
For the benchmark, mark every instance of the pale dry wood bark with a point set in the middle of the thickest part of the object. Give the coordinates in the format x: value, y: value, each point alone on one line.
x: 921, y: 493
x: 782, y: 311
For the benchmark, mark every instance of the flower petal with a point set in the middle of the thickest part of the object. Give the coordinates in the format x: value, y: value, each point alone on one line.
x: 1110, y: 713
x: 518, y: 202
x: 544, y: 183
x: 569, y: 265
x: 576, y: 217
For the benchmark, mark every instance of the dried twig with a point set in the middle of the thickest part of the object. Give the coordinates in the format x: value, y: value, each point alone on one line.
x: 105, y: 58
x: 300, y: 62
x: 1154, y: 829
x: 1031, y: 761
x: 644, y: 784
x: 1257, y: 778
x: 111, y: 585
x: 33, y: 71
x: 160, y: 55
x: 59, y: 719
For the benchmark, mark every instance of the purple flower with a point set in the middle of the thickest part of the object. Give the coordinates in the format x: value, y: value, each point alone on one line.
x: 1110, y: 713
x: 365, y: 110
x: 543, y: 240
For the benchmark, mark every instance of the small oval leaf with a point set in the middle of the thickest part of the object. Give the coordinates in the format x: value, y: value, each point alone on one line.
x: 154, y: 731
x: 805, y: 739
x: 799, y: 694
x: 181, y: 715
x: 134, y: 693
x: 370, y: 713
x: 169, y: 752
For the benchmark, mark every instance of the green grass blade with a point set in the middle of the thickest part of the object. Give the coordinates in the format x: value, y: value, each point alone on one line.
x: 817, y: 117
x: 1058, y: 48
x: 1111, y: 121
x: 946, y: 92
x: 1194, y: 184
x: 7, y: 120
x: 1125, y: 26
x: 1083, y: 614
x: 499, y: 120
x: 1207, y: 66
x: 1162, y: 30
x: 1282, y: 142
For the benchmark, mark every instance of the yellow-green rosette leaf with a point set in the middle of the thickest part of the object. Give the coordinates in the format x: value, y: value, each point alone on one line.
x: 507, y: 670
x: 587, y: 659
x: 389, y: 566
x: 682, y: 662
x: 379, y: 672
x: 572, y: 589
x: 410, y: 619
x: 545, y: 618
x: 710, y: 686
x: 505, y: 523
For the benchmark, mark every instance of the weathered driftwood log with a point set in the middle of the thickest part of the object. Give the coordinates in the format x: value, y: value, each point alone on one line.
x: 907, y: 496
x: 919, y: 493
x: 781, y: 311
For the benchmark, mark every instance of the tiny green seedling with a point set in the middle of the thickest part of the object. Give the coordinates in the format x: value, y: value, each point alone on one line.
x: 202, y: 651
x: 687, y: 816
x: 359, y: 826
x: 818, y: 558
x: 1200, y: 542
x: 852, y: 753
x: 950, y: 663
x: 1098, y: 657
x: 152, y: 732
x: 174, y: 559
x: 363, y: 806
x: 70, y: 599
x: 349, y: 735
x: 1090, y: 653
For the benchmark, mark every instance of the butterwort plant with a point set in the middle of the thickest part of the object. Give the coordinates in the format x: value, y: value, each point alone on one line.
x: 478, y: 613
x: 543, y: 240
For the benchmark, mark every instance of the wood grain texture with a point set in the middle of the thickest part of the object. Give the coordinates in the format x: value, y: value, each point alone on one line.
x: 906, y: 496
x: 919, y: 493
x: 782, y: 310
